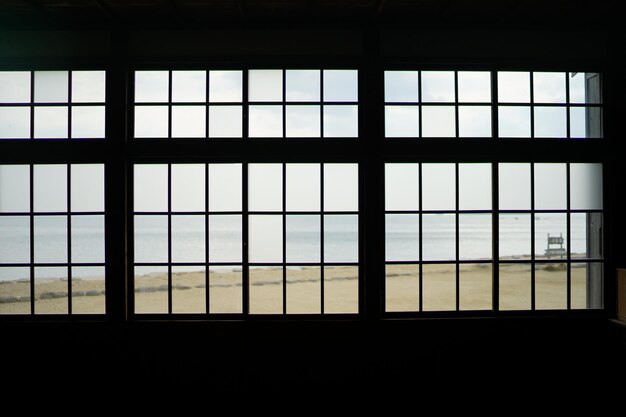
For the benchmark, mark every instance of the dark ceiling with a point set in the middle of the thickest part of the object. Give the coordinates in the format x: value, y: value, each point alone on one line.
x: 37, y: 13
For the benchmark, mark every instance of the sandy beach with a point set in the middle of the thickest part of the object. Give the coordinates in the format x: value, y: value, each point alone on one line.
x: 304, y: 289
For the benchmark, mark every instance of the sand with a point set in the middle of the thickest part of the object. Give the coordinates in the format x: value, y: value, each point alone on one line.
x: 303, y: 290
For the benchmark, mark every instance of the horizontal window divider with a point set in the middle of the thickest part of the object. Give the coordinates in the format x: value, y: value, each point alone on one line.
x: 51, y: 264
x: 198, y: 263
x: 55, y: 104
x: 436, y: 262
x: 279, y: 264
x: 247, y: 317
x: 486, y: 314
x: 540, y: 259
x: 539, y: 104
x: 55, y: 213
x: 438, y: 211
x: 438, y: 103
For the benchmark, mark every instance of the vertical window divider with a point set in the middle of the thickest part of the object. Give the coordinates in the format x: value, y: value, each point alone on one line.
x: 207, y: 276
x: 245, y: 268
x: 569, y: 237
x: 169, y: 104
x: 322, y: 105
x: 494, y: 106
x: 532, y: 236
x: 70, y: 134
x: 245, y: 110
x: 169, y: 237
x: 32, y: 238
x: 69, y: 238
x: 32, y: 106
x: 567, y: 107
x: 495, y: 235
x: 421, y: 240
x: 284, y: 103
x: 457, y: 236
x: 532, y: 104
x: 206, y: 130
x: 456, y: 104
x: 322, y: 238
x: 420, y: 122
x: 284, y: 237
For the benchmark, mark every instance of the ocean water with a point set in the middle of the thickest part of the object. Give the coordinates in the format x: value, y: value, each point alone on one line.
x: 303, y: 239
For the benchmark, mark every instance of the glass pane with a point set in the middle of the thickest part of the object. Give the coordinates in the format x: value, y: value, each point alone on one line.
x: 303, y: 187
x: 475, y: 241
x: 303, y: 238
x: 514, y: 87
x: 474, y: 121
x: 266, y: 290
x: 402, y: 237
x: 438, y: 121
x: 188, y: 289
x: 51, y: 86
x: 341, y: 289
x: 188, y: 237
x: 14, y: 188
x: 401, y: 121
x: 188, y: 187
x: 14, y: 87
x: 88, y: 122
x: 225, y: 290
x: 550, y: 186
x: 515, y: 238
x: 515, y: 286
x: 265, y: 121
x: 225, y: 238
x: 188, y: 121
x: 474, y: 86
x: 88, y: 290
x: 586, y: 238
x: 401, y: 86
x: 514, y: 122
x: 341, y: 121
x: 51, y: 122
x: 341, y: 238
x: 265, y: 235
x: 88, y: 86
x: 438, y: 86
x: 475, y: 186
x: 225, y: 122
x: 439, y: 287
x: 14, y: 239
x: 51, y: 290
x: 50, y: 239
x: 265, y: 187
x: 303, y: 85
x: 586, y: 186
x: 225, y: 86
x: 438, y: 187
x: 151, y: 289
x: 265, y: 85
x: 551, y: 235
x: 587, y: 285
x: 50, y: 188
x: 341, y: 187
x: 514, y: 186
x: 401, y: 187
x: 225, y: 187
x: 14, y: 122
x: 578, y: 122
x: 585, y: 87
x: 549, y: 87
x: 151, y: 86
x: 150, y: 187
x: 151, y: 239
x: 341, y: 85
x: 551, y: 286
x: 88, y: 239
x: 439, y: 237
x: 189, y: 86
x: 402, y: 288
x: 151, y: 121
x: 303, y: 121
x: 550, y: 122
x: 475, y: 287
x: 304, y: 290
x: 14, y: 291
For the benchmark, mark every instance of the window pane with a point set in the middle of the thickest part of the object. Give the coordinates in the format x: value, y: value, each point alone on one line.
x: 266, y: 238
x: 88, y: 122
x: 87, y: 187
x: 514, y: 186
x: 475, y: 240
x: 438, y: 121
x: 439, y: 237
x: 551, y: 286
x: 151, y: 289
x: 188, y: 289
x: 341, y: 289
x: 474, y: 121
x: 341, y: 187
x: 514, y: 122
x: 265, y: 85
x: 550, y: 186
x: 265, y: 184
x: 585, y: 87
x: 475, y: 287
x: 474, y: 86
x: 14, y: 188
x: 225, y: 122
x: 587, y: 285
x: 14, y: 122
x: 14, y: 87
x: 151, y: 121
x: 188, y: 187
x: 303, y: 238
x: 188, y: 121
x: 303, y: 121
x: 88, y: 86
x: 341, y: 121
x: 189, y: 86
x: 151, y: 239
x: 401, y: 187
x: 549, y: 87
x: 225, y: 290
x: 303, y: 85
x: 515, y: 286
x: 225, y: 238
x: 551, y: 235
x: 401, y: 121
x: 304, y: 290
x: 51, y: 290
x: 515, y: 237
x: 475, y: 186
x: 51, y: 122
x: 402, y: 237
x: 188, y: 237
x: 266, y: 121
x: 88, y: 239
x: 438, y: 86
x: 303, y: 187
x: 514, y: 87
x: 402, y: 288
x: 586, y: 186
x: 550, y: 122
x: 50, y: 188
x: 51, y: 86
x: 50, y: 239
x: 15, y: 290
x: 341, y: 85
x: 225, y: 187
x: 266, y: 290
x: 14, y: 239
x: 586, y: 240
x: 578, y: 122
x: 225, y: 86
x: 151, y: 86
x: 439, y: 286
x: 150, y: 187
x: 438, y: 187
x: 401, y: 86
x: 341, y: 238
